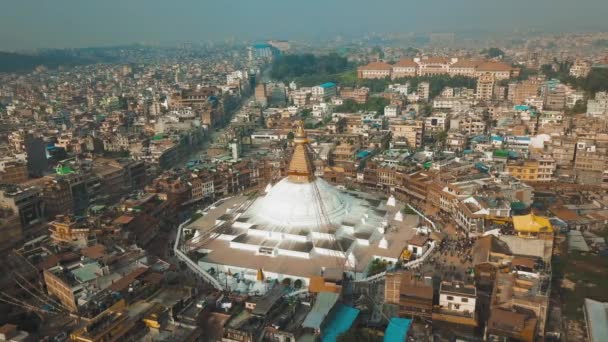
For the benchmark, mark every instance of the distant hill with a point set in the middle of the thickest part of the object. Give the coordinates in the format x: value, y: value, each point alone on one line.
x: 16, y: 62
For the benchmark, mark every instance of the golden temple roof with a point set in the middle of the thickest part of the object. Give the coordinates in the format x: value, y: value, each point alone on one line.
x: 300, y: 167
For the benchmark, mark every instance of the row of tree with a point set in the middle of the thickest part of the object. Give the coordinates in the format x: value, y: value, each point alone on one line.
x: 289, y: 67
x: 597, y: 80
x: 374, y: 104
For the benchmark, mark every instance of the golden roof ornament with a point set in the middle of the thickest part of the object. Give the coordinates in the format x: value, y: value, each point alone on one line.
x: 300, y: 167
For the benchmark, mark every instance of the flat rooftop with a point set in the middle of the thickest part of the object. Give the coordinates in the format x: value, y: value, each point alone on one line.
x: 222, y: 254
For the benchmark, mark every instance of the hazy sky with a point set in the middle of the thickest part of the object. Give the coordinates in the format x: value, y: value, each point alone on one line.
x: 27, y: 24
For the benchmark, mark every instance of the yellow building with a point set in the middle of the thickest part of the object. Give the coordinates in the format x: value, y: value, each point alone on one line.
x: 156, y: 317
x: 108, y: 327
x: 532, y: 226
x: 526, y: 171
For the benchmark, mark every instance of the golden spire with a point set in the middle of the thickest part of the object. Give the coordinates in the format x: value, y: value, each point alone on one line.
x: 300, y: 168
x: 300, y: 136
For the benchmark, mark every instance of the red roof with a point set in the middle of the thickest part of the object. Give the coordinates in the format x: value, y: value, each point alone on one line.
x: 94, y: 252
x: 124, y: 219
x: 124, y: 282
x: 406, y: 62
x: 466, y: 63
x: 376, y: 66
x: 435, y: 60
x: 494, y: 66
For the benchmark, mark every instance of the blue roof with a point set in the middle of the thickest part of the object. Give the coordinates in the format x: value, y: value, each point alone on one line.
x: 497, y: 138
x: 261, y: 46
x: 325, y: 302
x: 397, y: 329
x: 341, y: 320
x: 363, y: 154
x: 479, y: 138
x: 328, y: 85
x: 521, y: 107
x: 597, y: 316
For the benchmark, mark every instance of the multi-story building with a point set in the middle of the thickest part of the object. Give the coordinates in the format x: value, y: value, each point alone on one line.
x: 193, y: 98
x: 359, y: 95
x: 457, y: 302
x: 109, y: 326
x: 325, y: 91
x: 436, y: 123
x: 343, y: 153
x: 375, y: 70
x: 411, y: 294
x: 163, y: 153
x: 27, y: 203
x: 580, y: 68
x: 562, y: 149
x: 261, y: 94
x: 572, y: 98
x: 546, y: 168
x: 66, y: 229
x: 57, y: 196
x: 35, y: 148
x: 554, y: 98
x: 456, y: 141
x: 300, y: 97
x: 455, y: 104
x: 525, y: 170
x: 500, y: 70
x: 519, y: 92
x: 532, y: 170
x: 598, y: 107
x: 527, y: 288
x: 464, y: 67
x: 591, y: 156
x: 470, y: 215
x: 509, y: 325
x: 13, y: 171
x: 201, y: 185
x: 485, y: 87
x: 392, y: 111
x: 424, y: 90
x: 410, y: 131
x: 404, y: 68
x: 469, y: 124
x: 430, y: 66
x: 11, y: 233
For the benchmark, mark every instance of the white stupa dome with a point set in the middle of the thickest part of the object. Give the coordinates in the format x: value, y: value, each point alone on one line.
x: 295, y: 205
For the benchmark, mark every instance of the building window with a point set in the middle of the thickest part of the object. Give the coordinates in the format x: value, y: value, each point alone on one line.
x: 464, y: 300
x: 450, y: 298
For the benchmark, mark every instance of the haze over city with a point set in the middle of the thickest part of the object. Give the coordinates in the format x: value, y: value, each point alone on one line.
x: 304, y: 171
x: 73, y: 23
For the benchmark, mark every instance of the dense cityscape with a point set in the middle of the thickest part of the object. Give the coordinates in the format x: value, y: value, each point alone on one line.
x: 392, y: 187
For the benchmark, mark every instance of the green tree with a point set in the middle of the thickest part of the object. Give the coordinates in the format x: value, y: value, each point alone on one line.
x: 305, y: 113
x: 376, y: 104
x: 298, y: 65
x: 377, y: 266
x: 441, y: 137
x: 290, y: 136
x: 377, y: 50
x: 493, y: 52
x: 580, y: 107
